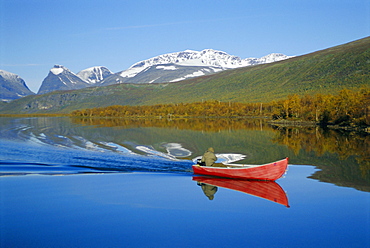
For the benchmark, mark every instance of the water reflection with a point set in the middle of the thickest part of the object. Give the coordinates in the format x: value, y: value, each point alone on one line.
x: 353, y: 149
x: 195, y: 124
x: 320, y: 140
x: 208, y: 189
x: 342, y: 157
x: 268, y: 190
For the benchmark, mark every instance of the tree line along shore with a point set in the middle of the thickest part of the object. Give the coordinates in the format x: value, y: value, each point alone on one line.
x: 347, y: 108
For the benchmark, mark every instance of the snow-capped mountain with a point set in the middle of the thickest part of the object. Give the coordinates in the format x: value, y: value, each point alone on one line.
x: 12, y: 86
x: 61, y: 78
x: 94, y: 74
x: 270, y: 58
x: 207, y: 57
x: 178, y: 66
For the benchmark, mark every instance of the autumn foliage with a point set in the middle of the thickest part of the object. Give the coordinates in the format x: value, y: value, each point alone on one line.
x: 346, y: 108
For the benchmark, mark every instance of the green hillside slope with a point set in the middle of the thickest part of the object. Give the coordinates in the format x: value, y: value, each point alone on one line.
x: 326, y: 71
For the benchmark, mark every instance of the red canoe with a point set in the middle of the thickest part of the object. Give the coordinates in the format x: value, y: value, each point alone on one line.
x: 271, y: 171
x: 264, y: 189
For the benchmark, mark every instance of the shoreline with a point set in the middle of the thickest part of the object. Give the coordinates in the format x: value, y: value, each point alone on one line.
x: 282, y: 123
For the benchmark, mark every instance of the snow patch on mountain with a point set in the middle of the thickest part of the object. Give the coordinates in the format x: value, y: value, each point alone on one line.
x: 191, y: 75
x: 56, y: 71
x: 151, y: 81
x: 131, y: 72
x: 171, y: 68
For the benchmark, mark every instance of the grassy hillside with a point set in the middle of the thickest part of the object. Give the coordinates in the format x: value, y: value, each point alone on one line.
x: 326, y: 71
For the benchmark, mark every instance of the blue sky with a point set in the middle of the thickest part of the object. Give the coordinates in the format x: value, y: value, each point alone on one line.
x: 36, y: 34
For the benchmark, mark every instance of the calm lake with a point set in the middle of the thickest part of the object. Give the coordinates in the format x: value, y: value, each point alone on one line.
x: 69, y: 182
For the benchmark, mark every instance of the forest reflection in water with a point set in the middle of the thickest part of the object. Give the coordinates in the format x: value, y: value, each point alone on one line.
x: 195, y: 124
x: 343, y: 157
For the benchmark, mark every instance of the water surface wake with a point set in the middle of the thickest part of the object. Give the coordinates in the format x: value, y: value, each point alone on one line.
x: 29, y: 158
x: 57, y: 146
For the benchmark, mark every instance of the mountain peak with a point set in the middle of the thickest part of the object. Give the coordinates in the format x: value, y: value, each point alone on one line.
x: 12, y: 86
x: 61, y: 78
x: 8, y: 75
x: 94, y: 74
x: 58, y: 69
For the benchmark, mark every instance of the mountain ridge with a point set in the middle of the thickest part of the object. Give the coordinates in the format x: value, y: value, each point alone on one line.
x: 170, y: 67
x: 12, y: 86
x: 215, y: 61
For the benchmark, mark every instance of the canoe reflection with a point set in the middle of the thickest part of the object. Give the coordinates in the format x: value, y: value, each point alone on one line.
x: 268, y: 190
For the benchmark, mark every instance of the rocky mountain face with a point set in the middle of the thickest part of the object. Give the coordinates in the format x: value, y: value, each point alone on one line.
x: 12, y: 87
x: 61, y: 78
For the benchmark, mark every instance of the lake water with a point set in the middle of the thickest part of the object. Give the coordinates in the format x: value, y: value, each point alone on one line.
x: 128, y: 183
